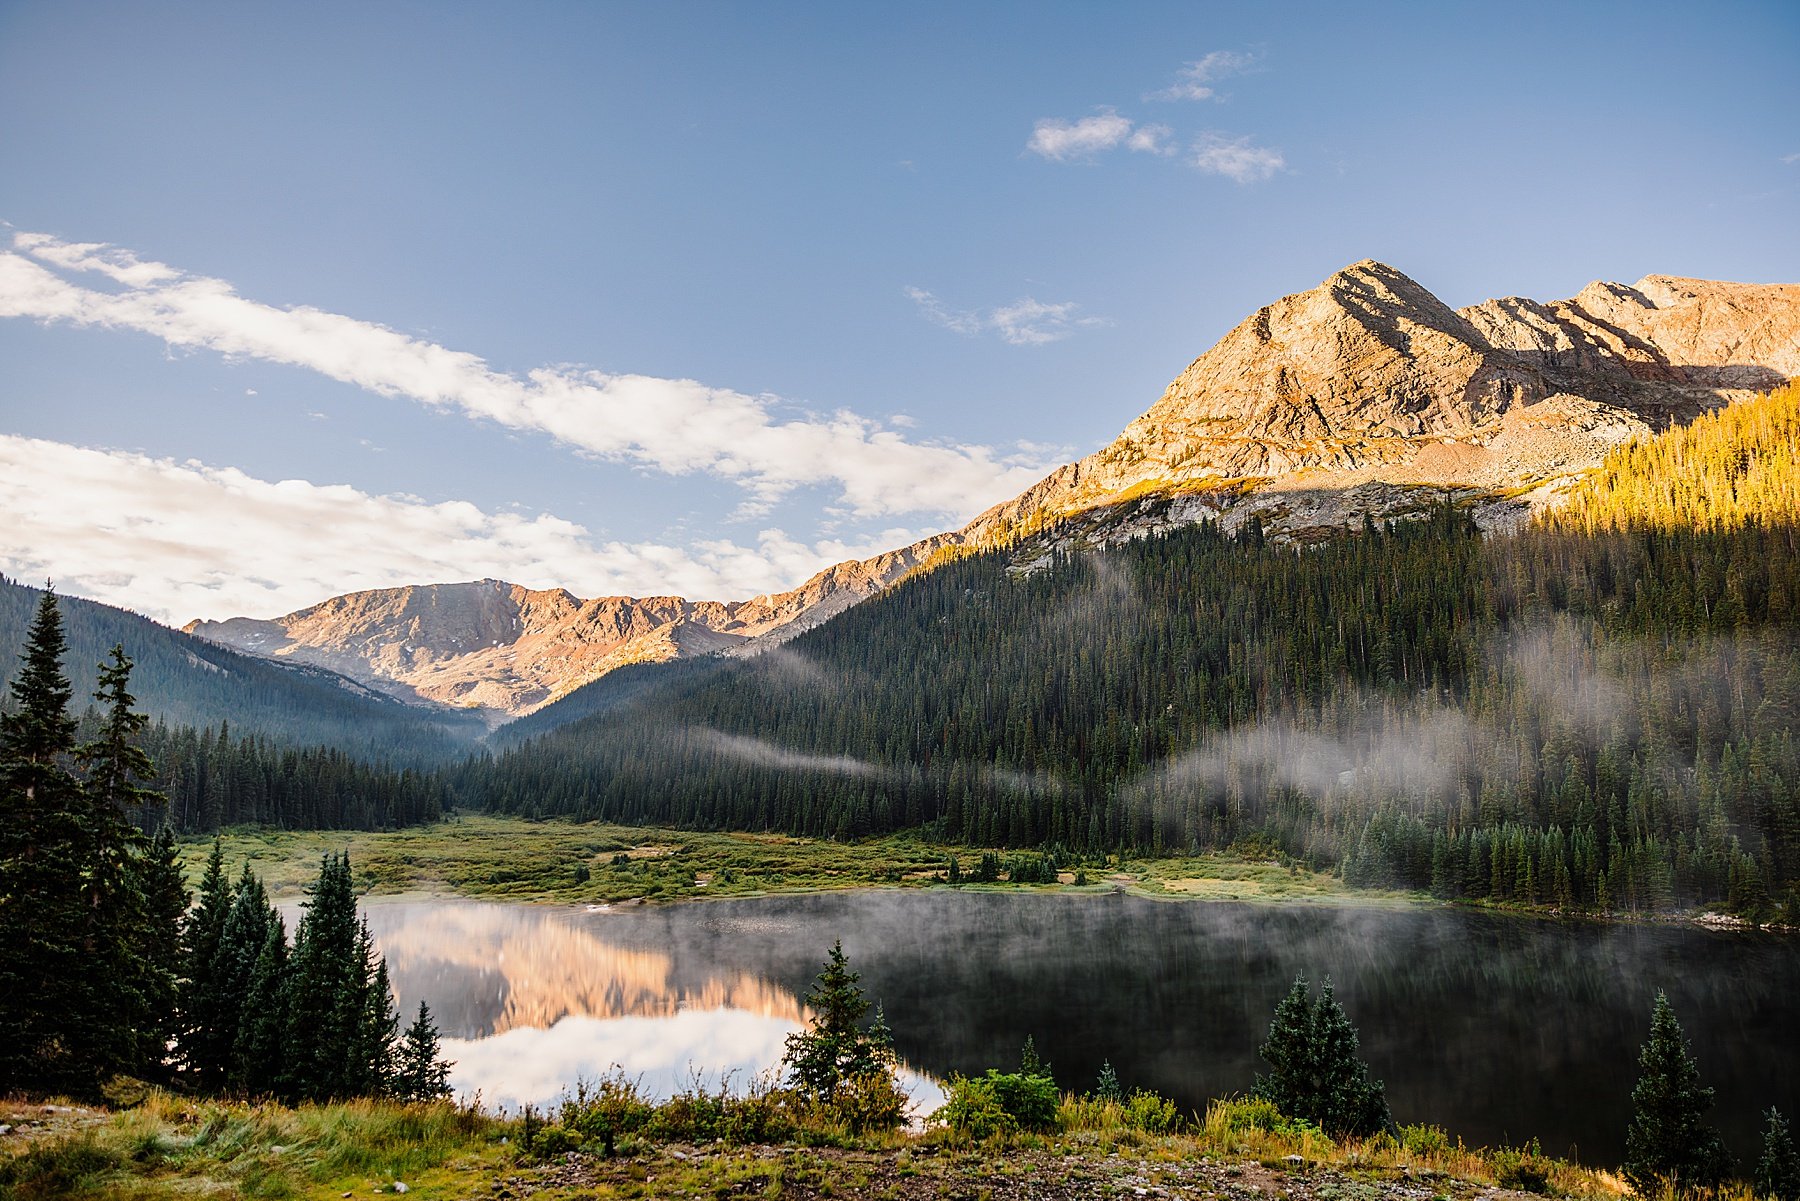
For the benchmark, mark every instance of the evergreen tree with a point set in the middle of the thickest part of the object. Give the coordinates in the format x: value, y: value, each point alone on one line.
x: 1778, y: 1171
x: 1667, y: 1142
x: 259, y: 1062
x: 49, y: 1000
x: 1107, y: 1087
x: 204, y: 1008
x: 327, y: 990
x: 420, y: 1074
x: 835, y: 1051
x: 341, y: 1026
x: 1316, y: 1072
x: 1030, y: 1064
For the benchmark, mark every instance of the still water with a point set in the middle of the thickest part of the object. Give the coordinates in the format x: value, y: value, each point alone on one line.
x: 1498, y: 1028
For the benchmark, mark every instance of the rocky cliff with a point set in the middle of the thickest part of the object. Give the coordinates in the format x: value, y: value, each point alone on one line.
x: 1366, y: 394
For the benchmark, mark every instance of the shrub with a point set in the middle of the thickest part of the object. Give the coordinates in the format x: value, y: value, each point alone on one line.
x: 1231, y: 1116
x: 1526, y: 1168
x: 1151, y: 1112
x: 1424, y: 1140
x: 1000, y: 1103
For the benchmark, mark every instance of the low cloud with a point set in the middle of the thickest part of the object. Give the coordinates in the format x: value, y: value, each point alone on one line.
x: 177, y: 540
x: 1237, y: 159
x: 1025, y: 322
x: 1194, y: 81
x: 678, y: 426
x: 779, y: 758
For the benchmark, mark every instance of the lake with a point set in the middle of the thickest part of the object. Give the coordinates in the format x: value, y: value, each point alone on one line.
x: 1497, y: 1027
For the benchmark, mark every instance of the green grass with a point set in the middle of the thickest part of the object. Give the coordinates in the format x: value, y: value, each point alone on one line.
x: 173, y: 1147
x: 505, y: 858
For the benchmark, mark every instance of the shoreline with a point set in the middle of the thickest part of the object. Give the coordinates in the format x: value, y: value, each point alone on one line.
x: 502, y: 859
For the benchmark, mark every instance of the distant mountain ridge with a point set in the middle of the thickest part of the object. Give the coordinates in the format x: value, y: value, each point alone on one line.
x: 189, y: 682
x: 1365, y: 395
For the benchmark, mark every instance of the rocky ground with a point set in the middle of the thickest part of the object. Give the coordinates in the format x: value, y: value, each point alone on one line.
x: 974, y: 1174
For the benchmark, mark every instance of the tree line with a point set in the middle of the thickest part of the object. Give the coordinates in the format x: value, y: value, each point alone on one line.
x: 1589, y: 714
x: 104, y: 972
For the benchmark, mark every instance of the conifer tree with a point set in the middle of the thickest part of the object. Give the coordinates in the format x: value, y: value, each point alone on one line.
x: 1107, y: 1087
x: 835, y: 1051
x: 48, y: 999
x: 259, y: 1061
x: 1667, y: 1142
x: 1778, y: 1171
x: 420, y: 1074
x: 1316, y: 1072
x: 203, y: 1007
x: 326, y: 990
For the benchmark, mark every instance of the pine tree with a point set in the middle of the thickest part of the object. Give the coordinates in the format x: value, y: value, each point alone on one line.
x: 259, y: 1062
x: 1316, y: 1071
x: 1107, y: 1087
x: 203, y: 1007
x: 1030, y: 1064
x: 420, y: 1075
x: 1667, y: 1142
x: 48, y: 999
x: 1778, y: 1171
x: 835, y: 1051
x: 326, y: 990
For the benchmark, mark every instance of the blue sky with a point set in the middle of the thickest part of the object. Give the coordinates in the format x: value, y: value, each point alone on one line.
x: 698, y: 298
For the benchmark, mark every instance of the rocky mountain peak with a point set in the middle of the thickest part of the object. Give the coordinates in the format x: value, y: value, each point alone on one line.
x: 1364, y: 395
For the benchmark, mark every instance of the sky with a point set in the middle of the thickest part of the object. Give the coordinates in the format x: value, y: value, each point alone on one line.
x: 697, y: 299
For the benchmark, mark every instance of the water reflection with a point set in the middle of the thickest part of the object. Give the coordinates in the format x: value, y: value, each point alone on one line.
x: 531, y: 999
x: 1498, y: 1028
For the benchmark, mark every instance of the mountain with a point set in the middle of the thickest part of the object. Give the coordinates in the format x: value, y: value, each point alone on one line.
x: 1598, y: 711
x: 1365, y: 395
x: 187, y: 681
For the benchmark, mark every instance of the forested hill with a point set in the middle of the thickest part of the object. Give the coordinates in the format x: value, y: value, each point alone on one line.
x: 185, y: 681
x: 1593, y: 720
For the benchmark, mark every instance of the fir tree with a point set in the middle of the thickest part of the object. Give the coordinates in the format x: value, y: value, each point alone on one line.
x: 259, y: 1062
x: 1316, y: 1072
x: 49, y: 1001
x: 420, y: 1075
x: 1029, y: 1062
x: 203, y: 1007
x: 1778, y: 1171
x: 1667, y: 1142
x: 835, y: 1051
x: 326, y: 990
x: 1107, y: 1087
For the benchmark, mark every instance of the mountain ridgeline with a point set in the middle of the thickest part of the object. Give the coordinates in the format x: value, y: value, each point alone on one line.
x: 242, y: 740
x: 1597, y: 712
x: 1363, y: 395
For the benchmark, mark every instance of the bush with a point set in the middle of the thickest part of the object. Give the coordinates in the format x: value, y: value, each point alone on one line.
x: 999, y: 1103
x: 1239, y: 1115
x: 1424, y: 1140
x: 1525, y: 1169
x: 1151, y: 1112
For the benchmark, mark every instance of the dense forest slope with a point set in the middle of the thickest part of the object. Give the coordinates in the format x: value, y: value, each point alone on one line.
x: 239, y: 740
x: 1594, y: 720
x: 1364, y: 395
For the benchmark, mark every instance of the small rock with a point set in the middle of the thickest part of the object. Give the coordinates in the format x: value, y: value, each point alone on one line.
x: 5, y: 1129
x: 678, y: 1154
x: 1293, y: 1159
x: 400, y: 1187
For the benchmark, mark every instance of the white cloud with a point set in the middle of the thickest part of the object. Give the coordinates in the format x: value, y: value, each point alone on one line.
x: 1071, y: 141
x: 181, y: 540
x: 1152, y: 139
x: 1025, y: 322
x: 1237, y: 159
x: 1790, y: 159
x: 672, y: 425
x: 1194, y: 81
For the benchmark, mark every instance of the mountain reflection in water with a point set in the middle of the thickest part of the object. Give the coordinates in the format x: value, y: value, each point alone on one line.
x: 531, y: 999
x: 1497, y: 1027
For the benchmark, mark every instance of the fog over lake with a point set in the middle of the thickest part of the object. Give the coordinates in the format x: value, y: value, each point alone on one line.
x: 1499, y: 1028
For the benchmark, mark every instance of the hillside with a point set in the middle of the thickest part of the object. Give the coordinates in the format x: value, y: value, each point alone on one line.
x: 1596, y: 722
x: 186, y: 681
x: 1365, y: 395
